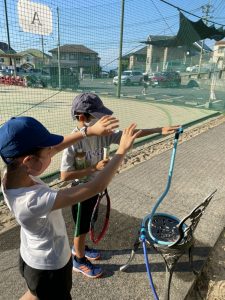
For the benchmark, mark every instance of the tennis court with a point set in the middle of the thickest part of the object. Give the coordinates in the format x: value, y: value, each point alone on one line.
x: 52, y: 108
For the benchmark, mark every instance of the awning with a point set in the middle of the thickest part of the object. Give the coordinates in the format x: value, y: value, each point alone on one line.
x: 190, y: 32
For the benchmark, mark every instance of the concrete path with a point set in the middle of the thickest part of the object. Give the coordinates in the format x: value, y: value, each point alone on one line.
x: 199, y: 169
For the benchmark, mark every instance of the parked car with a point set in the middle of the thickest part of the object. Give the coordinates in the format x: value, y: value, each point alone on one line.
x: 203, y: 69
x: 3, y: 73
x: 151, y: 75
x: 192, y: 68
x: 113, y: 73
x: 166, y: 79
x: 69, y: 78
x: 104, y: 74
x: 129, y: 77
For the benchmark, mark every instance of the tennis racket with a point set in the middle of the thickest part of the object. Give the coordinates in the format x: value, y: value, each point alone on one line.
x: 100, y: 217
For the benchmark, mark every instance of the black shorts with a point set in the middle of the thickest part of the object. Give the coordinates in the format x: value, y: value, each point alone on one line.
x: 48, y: 284
x: 145, y: 85
x: 85, y: 216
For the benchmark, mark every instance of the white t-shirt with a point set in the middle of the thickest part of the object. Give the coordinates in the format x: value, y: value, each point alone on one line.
x: 92, y: 146
x: 44, y: 241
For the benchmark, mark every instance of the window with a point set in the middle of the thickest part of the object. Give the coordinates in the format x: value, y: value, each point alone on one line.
x: 73, y: 56
x: 63, y: 56
x: 221, y: 50
x: 86, y: 57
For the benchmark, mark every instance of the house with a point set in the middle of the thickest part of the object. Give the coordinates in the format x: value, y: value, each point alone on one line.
x: 162, y: 58
x: 135, y: 60
x: 5, y: 52
x: 33, y: 59
x: 77, y: 57
x: 219, y: 54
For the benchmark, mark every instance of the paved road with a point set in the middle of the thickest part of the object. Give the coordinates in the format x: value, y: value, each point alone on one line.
x: 199, y: 169
x: 182, y: 95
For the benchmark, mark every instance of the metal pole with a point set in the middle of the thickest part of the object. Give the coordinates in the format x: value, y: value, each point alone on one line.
x: 206, y: 9
x: 7, y: 29
x: 43, y: 53
x: 121, y: 49
x: 59, y: 65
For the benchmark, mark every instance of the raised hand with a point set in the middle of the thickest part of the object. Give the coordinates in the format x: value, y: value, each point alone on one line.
x: 170, y: 129
x: 105, y: 126
x: 101, y: 164
x: 127, y: 138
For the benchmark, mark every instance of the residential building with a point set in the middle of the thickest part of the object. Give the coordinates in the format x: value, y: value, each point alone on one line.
x: 77, y: 57
x: 135, y: 60
x: 162, y: 58
x: 5, y: 52
x: 219, y: 54
x: 33, y: 59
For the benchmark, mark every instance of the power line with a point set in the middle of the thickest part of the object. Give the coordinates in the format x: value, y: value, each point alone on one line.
x: 177, y: 7
x: 162, y: 16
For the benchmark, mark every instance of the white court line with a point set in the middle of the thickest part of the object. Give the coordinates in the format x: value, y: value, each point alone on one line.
x: 216, y: 101
x: 211, y: 102
x: 163, y: 99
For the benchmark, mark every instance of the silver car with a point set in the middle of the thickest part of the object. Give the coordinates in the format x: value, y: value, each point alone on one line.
x: 129, y: 77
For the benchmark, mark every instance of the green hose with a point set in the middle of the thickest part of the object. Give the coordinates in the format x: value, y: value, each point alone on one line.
x: 77, y: 226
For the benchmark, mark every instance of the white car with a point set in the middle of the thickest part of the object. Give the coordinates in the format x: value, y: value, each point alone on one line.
x: 129, y: 77
x: 192, y: 68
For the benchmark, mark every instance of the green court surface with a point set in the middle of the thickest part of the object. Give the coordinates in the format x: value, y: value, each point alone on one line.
x: 52, y: 108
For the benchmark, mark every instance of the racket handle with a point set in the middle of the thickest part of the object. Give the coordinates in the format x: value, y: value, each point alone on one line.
x: 106, y: 152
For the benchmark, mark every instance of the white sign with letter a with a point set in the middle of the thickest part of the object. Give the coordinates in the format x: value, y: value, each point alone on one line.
x: 35, y: 17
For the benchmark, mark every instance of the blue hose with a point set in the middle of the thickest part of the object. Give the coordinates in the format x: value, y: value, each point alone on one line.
x: 147, y: 264
x: 149, y: 217
x: 172, y: 161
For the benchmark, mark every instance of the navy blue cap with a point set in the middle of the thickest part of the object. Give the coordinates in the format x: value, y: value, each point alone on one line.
x: 21, y: 135
x: 89, y: 103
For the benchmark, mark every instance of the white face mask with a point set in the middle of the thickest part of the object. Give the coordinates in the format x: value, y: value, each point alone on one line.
x: 91, y: 123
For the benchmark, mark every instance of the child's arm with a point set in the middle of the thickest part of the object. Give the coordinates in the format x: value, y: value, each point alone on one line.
x: 73, y: 195
x: 104, y: 126
x: 161, y: 130
x: 76, y: 174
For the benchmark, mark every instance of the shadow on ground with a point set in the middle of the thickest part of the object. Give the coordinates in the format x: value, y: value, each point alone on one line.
x: 115, y: 249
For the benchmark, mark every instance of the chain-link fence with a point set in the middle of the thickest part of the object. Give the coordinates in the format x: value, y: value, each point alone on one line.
x: 52, y: 50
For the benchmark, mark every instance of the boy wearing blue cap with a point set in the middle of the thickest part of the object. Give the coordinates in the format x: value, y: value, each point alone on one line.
x: 27, y: 147
x: 87, y: 108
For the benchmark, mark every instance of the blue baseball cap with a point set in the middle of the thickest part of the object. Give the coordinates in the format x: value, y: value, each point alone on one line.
x: 89, y: 103
x: 21, y: 135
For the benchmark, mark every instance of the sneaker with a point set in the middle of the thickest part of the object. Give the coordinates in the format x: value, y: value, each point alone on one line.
x: 91, y: 254
x: 87, y: 268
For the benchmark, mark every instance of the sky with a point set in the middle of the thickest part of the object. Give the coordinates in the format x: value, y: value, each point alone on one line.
x: 96, y: 24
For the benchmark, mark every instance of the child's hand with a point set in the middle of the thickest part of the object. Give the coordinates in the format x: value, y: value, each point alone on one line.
x: 105, y: 126
x: 170, y: 129
x: 127, y: 138
x: 101, y: 164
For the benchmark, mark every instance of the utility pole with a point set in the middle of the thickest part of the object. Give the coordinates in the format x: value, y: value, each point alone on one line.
x: 206, y: 10
x: 43, y: 53
x: 121, y: 49
x: 7, y: 29
x: 59, y: 64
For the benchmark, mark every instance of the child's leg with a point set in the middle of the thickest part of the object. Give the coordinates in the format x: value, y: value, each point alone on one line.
x: 47, y: 284
x: 79, y: 245
x: 82, y: 218
x: 81, y: 252
x: 28, y: 296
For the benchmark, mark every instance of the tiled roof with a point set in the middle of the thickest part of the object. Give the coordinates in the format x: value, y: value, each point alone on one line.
x: 4, y: 47
x: 34, y: 52
x: 70, y: 48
